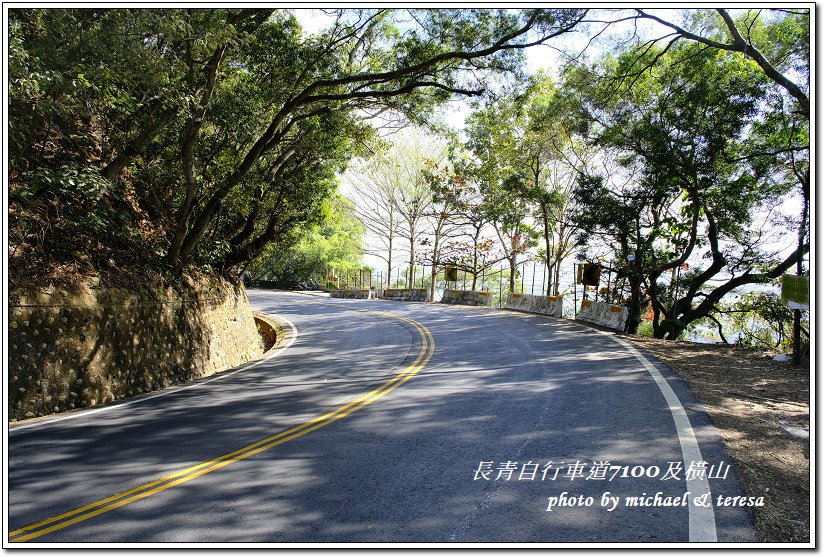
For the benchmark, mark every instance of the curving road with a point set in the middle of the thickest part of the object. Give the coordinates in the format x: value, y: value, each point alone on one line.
x: 389, y: 422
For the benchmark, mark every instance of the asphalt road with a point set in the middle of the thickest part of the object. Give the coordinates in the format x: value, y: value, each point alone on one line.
x: 389, y: 422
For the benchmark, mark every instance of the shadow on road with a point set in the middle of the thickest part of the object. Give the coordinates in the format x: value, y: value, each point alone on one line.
x: 501, y: 388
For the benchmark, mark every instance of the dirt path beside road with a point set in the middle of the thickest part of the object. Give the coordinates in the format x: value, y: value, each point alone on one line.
x: 762, y: 410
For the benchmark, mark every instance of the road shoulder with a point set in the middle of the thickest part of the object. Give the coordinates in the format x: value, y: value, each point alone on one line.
x: 755, y: 403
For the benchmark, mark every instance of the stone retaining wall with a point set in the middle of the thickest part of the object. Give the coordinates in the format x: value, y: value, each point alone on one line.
x: 267, y: 327
x: 547, y: 305
x: 606, y: 315
x: 466, y: 297
x: 406, y: 294
x: 76, y: 349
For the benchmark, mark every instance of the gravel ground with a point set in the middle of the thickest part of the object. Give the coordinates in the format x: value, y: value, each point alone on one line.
x: 762, y: 410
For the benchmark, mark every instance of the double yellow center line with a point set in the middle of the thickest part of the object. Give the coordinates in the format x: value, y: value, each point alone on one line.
x: 146, y: 490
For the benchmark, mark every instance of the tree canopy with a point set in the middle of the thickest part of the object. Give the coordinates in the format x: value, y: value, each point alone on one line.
x: 709, y: 148
x: 310, y: 251
x: 201, y: 135
x: 174, y: 139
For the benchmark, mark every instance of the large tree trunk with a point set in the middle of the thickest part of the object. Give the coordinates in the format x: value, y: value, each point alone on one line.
x: 548, y: 243
x: 513, y: 264
x: 185, y: 211
x: 411, y: 275
x: 177, y: 256
x: 635, y: 279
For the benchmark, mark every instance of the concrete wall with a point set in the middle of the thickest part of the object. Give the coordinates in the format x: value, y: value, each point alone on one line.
x: 76, y: 349
x: 406, y: 294
x: 357, y: 294
x: 606, y: 315
x: 547, y: 305
x: 466, y: 297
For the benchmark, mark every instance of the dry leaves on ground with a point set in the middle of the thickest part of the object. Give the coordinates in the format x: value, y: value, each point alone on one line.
x: 759, y: 407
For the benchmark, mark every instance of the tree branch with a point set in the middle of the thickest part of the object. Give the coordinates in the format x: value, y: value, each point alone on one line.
x: 744, y: 47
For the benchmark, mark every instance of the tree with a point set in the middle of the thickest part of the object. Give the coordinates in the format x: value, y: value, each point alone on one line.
x: 620, y: 214
x: 494, y: 166
x: 393, y: 190
x: 373, y: 190
x: 225, y: 126
x: 778, y: 41
x: 309, y: 251
x: 461, y: 211
x: 550, y: 158
x: 703, y: 179
x: 413, y: 197
x: 449, y: 194
x: 507, y: 212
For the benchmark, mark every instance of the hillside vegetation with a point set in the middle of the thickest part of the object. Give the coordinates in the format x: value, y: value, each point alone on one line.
x: 151, y: 142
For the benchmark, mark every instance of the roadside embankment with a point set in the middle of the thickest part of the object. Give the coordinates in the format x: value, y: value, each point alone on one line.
x: 761, y: 408
x: 83, y: 347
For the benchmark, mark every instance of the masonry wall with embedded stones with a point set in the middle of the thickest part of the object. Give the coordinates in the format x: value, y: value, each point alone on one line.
x: 81, y: 348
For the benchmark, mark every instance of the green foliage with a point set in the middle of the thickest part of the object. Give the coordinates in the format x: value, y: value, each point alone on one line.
x: 645, y: 329
x: 756, y: 319
x: 309, y: 252
x: 527, y: 151
x: 492, y: 140
x: 220, y: 131
x: 75, y: 75
x: 82, y: 185
x: 691, y: 132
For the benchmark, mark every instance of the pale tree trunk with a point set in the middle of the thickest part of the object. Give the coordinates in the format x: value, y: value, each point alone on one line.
x: 475, y: 268
x: 411, y: 276
x: 390, y: 241
x: 559, y: 254
x: 475, y: 257
x: 557, y: 290
x: 432, y: 286
x: 436, y: 249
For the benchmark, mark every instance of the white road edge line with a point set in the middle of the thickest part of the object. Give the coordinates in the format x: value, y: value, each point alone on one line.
x: 293, y: 337
x: 701, y: 519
